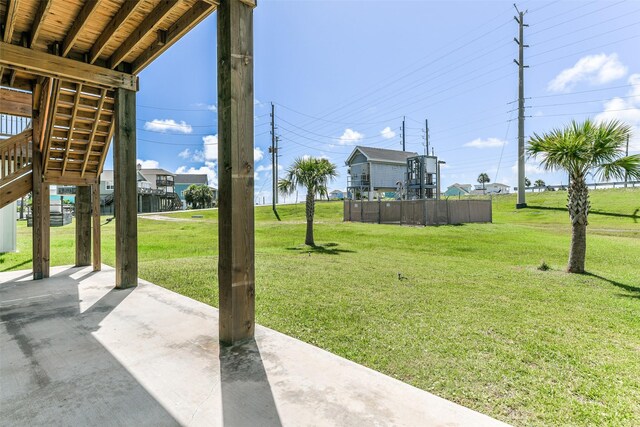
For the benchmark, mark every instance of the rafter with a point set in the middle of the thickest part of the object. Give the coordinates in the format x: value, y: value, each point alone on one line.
x: 114, y: 25
x: 92, y: 137
x: 78, y: 25
x: 42, y: 11
x: 150, y: 24
x: 10, y: 22
x: 48, y: 65
x: 72, y: 123
x: 189, y: 20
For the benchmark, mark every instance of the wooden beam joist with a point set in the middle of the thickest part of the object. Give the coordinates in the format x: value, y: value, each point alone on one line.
x: 10, y: 22
x: 41, y: 13
x: 112, y: 27
x: 182, y: 26
x: 78, y: 25
x: 15, y: 103
x: 150, y: 24
x: 48, y: 65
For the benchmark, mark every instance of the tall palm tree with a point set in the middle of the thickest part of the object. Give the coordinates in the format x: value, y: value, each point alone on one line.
x: 314, y: 174
x: 539, y: 183
x: 483, y: 178
x: 578, y: 149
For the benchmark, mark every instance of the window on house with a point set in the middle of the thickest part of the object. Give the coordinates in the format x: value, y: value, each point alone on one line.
x: 109, y: 185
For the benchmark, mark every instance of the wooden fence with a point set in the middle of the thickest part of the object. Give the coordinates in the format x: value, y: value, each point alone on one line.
x: 418, y: 212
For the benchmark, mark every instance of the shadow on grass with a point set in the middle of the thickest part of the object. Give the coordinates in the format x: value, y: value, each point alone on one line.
x: 15, y: 266
x: 629, y: 288
x: 635, y: 215
x: 326, y: 249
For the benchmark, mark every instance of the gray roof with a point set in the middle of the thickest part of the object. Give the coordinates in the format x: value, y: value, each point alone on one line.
x: 383, y: 154
x: 190, y: 178
x: 156, y: 171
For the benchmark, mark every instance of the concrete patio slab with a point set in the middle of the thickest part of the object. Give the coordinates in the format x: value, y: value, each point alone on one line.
x: 74, y: 351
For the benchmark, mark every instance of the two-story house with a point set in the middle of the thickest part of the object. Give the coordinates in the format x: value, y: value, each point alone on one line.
x: 375, y: 171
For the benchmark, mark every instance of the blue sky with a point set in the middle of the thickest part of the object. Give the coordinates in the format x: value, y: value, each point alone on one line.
x: 344, y: 73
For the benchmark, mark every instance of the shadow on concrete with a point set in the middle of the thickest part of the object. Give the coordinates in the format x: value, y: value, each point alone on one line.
x: 633, y: 290
x: 635, y: 215
x: 59, y: 373
x: 247, y: 399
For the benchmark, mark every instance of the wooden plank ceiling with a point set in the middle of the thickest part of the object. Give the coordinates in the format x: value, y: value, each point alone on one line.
x: 122, y: 35
x: 79, y: 51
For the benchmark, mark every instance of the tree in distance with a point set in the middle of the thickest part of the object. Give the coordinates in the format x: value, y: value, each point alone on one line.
x: 539, y: 183
x: 483, y: 178
x: 314, y: 174
x: 578, y: 149
x: 527, y: 182
x: 198, y: 196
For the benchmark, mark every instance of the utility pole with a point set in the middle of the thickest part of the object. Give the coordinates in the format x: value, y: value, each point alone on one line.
x: 520, y: 62
x: 275, y: 169
x: 403, y: 140
x: 273, y: 151
x: 426, y: 129
x: 626, y: 174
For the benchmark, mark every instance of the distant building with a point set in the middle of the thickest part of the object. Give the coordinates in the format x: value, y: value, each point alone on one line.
x: 183, y: 181
x: 336, y: 195
x: 375, y: 170
x: 497, y: 188
x: 458, y: 190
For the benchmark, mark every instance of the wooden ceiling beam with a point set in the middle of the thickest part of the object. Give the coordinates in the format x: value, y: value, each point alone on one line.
x: 15, y: 103
x: 194, y: 15
x: 114, y: 25
x: 78, y: 25
x: 10, y: 22
x: 45, y: 64
x: 42, y: 11
x: 148, y: 25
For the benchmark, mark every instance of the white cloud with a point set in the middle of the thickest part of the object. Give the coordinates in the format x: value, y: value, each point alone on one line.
x: 212, y: 107
x: 486, y: 143
x: 168, y: 125
x: 626, y: 110
x: 209, y: 169
x: 263, y: 168
x: 258, y: 154
x: 350, y: 137
x: 148, y: 164
x: 387, y: 133
x: 185, y: 154
x: 594, y: 69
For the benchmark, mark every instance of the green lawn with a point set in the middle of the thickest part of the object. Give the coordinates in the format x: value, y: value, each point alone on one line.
x: 474, y: 321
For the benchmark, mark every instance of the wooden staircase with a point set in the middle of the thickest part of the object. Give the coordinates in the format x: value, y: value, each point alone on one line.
x: 15, y: 167
x: 77, y: 128
x: 77, y: 135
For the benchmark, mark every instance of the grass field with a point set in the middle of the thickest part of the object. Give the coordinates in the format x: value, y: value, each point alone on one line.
x: 474, y: 320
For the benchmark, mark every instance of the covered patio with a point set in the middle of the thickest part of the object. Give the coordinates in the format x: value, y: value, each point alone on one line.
x: 75, y: 351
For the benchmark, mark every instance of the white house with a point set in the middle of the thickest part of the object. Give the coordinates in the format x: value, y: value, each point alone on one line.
x: 376, y: 170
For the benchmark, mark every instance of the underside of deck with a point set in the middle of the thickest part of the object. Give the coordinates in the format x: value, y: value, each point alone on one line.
x: 75, y: 351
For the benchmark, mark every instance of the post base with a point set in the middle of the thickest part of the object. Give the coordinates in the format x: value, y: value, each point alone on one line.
x: 521, y: 205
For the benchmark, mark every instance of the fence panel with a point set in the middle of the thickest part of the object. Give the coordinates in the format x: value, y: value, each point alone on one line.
x: 480, y: 211
x: 390, y: 212
x: 356, y: 211
x: 346, y: 216
x: 370, y: 211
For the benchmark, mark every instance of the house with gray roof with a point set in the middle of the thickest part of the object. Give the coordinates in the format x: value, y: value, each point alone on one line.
x: 373, y: 172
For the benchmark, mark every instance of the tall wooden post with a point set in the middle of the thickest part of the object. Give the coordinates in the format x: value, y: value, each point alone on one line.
x: 95, y: 214
x: 125, y: 189
x: 83, y: 225
x: 236, y: 270
x: 40, y: 204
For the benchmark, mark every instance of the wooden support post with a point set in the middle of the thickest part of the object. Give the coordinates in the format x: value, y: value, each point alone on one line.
x: 83, y: 225
x: 125, y: 189
x: 236, y: 269
x: 40, y: 206
x: 95, y: 213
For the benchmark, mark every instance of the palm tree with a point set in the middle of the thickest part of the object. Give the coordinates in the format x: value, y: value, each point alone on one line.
x: 539, y: 183
x: 314, y: 174
x: 578, y: 149
x: 483, y: 178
